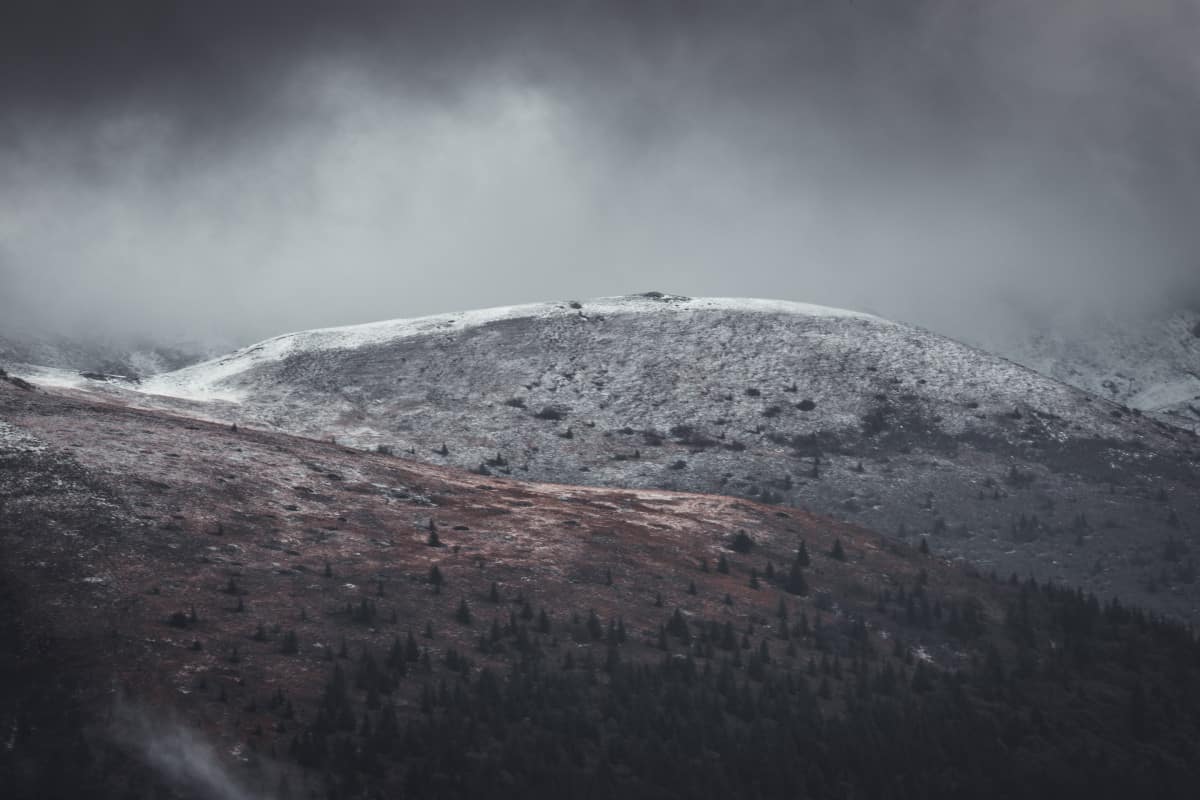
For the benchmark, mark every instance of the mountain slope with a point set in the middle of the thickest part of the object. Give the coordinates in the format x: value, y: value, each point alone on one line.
x: 193, y: 611
x: 883, y: 424
x: 111, y: 357
x: 1149, y: 364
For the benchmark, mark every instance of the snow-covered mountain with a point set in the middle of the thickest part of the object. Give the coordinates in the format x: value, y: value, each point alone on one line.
x: 843, y: 413
x: 1151, y: 364
x: 654, y: 362
x: 130, y: 359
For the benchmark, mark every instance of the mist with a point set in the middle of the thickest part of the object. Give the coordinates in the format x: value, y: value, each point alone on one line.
x: 209, y: 173
x: 179, y: 755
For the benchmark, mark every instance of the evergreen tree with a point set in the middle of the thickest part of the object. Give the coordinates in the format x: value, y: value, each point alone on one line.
x: 595, y: 629
x: 796, y: 584
x: 838, y: 552
x: 463, y: 613
x: 742, y: 543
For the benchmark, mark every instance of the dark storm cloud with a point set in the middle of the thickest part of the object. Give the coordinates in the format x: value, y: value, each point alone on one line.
x: 240, y: 168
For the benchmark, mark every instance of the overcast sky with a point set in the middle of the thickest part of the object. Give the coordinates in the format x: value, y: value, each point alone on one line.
x: 232, y: 170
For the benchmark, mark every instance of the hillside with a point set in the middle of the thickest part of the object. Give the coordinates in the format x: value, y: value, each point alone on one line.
x: 194, y: 611
x: 1151, y: 364
x: 100, y: 355
x: 885, y: 425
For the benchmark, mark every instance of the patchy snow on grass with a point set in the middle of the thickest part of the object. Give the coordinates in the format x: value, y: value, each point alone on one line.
x: 1168, y: 394
x: 13, y: 439
x: 55, y: 377
x: 1149, y: 364
x: 210, y: 380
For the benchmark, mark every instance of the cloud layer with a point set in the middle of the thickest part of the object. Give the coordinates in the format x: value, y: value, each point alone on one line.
x: 231, y: 171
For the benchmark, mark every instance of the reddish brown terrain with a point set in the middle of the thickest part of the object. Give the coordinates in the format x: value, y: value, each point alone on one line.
x: 185, y: 574
x: 154, y: 514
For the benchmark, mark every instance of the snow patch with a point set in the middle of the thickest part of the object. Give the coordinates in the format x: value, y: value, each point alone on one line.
x: 1168, y: 394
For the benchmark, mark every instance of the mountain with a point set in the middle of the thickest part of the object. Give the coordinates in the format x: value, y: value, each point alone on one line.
x: 110, y: 357
x: 1150, y: 363
x: 849, y: 415
x: 189, y: 610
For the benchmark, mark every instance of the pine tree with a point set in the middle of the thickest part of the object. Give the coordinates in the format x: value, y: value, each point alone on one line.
x: 742, y: 543
x: 463, y: 614
x: 595, y: 629
x: 838, y: 552
x: 796, y: 584
x: 677, y: 626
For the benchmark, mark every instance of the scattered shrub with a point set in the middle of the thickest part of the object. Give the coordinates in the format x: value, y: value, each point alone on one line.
x: 552, y: 413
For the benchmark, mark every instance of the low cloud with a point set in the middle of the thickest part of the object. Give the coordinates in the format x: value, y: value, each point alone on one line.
x: 959, y: 165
